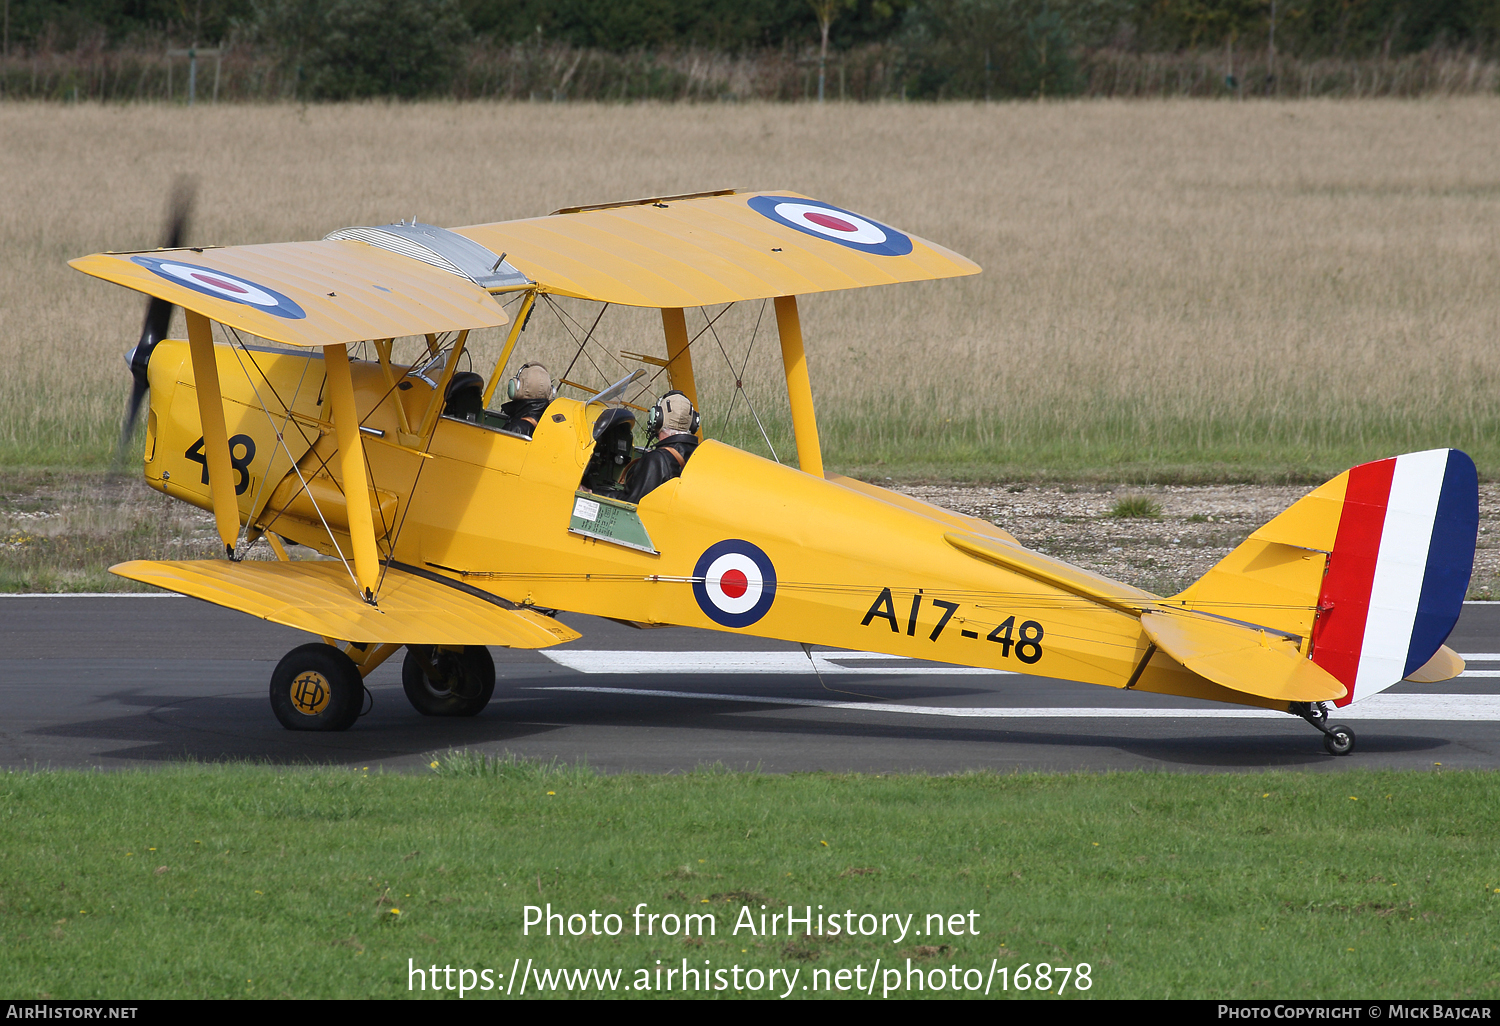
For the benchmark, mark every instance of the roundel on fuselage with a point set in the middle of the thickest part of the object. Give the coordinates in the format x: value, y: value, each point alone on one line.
x: 734, y: 583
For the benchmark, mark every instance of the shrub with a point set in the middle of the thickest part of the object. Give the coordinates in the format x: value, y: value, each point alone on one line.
x: 1132, y: 506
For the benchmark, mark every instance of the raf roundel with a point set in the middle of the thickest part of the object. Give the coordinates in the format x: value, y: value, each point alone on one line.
x: 222, y: 285
x: 734, y: 583
x: 834, y: 224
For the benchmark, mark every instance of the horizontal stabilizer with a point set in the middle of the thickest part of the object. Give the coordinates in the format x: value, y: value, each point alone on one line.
x: 1444, y: 665
x: 319, y: 597
x: 1083, y: 583
x: 1241, y: 658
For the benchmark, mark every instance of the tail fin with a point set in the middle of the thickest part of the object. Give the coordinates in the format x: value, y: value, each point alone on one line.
x: 1370, y: 569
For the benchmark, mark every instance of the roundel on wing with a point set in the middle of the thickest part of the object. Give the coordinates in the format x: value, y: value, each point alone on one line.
x: 834, y: 224
x: 222, y: 285
x: 734, y: 583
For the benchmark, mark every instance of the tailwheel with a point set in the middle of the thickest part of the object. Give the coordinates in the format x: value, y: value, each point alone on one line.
x: 445, y: 682
x: 1339, y: 740
x: 316, y: 687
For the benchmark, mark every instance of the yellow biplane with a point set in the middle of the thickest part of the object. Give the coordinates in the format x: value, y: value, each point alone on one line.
x: 447, y: 533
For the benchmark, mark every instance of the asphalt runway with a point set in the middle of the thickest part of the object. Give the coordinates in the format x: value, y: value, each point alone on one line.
x: 116, y: 681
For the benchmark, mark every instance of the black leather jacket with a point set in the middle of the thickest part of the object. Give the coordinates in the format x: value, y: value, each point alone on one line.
x: 521, y: 415
x: 658, y: 466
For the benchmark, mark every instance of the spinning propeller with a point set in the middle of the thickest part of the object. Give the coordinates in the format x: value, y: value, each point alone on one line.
x: 158, y: 314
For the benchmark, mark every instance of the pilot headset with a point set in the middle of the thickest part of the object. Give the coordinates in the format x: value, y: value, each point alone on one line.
x: 513, y: 386
x: 657, y: 416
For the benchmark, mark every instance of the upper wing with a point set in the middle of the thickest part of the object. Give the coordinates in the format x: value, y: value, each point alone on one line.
x: 717, y: 248
x: 364, y: 283
x: 306, y: 293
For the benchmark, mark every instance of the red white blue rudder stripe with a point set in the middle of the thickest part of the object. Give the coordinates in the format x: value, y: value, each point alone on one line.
x: 1399, y: 568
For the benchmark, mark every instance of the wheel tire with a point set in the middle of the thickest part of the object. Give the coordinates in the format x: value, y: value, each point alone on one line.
x: 316, y: 687
x: 1339, y: 740
x: 439, y: 683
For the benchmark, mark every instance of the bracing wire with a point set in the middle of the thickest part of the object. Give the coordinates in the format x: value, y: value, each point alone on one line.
x: 738, y: 382
x: 581, y: 345
x: 651, y: 381
x: 281, y: 440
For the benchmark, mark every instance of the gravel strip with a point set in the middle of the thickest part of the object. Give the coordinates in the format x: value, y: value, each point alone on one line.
x: 1197, y: 526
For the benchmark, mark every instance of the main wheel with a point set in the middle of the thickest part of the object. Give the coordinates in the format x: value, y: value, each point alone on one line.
x: 1339, y: 740
x: 316, y: 687
x: 443, y: 683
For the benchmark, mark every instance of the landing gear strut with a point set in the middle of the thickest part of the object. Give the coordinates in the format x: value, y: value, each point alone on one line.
x: 1337, y: 739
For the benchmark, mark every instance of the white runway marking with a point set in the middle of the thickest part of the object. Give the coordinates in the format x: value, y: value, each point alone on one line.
x: 790, y: 663
x: 1377, y: 707
x: 600, y: 661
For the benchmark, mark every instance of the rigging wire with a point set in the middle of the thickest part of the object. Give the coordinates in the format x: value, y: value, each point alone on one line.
x: 647, y: 387
x: 280, y: 438
x: 445, y: 342
x: 739, y: 381
x: 395, y: 536
x: 249, y: 354
x: 552, y: 304
x: 739, y: 387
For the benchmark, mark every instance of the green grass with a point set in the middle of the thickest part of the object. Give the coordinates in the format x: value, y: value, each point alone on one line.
x: 1135, y: 507
x: 1081, y: 445
x: 229, y: 881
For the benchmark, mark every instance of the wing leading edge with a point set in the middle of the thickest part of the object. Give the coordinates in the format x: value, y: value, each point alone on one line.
x: 305, y: 293
x: 709, y: 249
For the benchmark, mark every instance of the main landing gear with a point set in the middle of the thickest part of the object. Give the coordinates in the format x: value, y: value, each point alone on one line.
x: 321, y: 687
x: 317, y: 687
x: 444, y: 682
x: 1337, y: 739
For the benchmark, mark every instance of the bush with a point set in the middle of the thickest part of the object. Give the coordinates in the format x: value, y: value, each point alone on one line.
x: 1001, y: 48
x: 356, y: 48
x: 1135, y: 506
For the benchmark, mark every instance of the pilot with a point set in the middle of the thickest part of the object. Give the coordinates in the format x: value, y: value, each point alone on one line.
x: 529, y: 392
x: 675, y: 424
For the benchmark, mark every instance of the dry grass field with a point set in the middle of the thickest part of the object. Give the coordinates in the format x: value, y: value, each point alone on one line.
x: 1172, y: 291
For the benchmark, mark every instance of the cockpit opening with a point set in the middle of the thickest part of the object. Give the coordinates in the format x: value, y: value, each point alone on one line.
x: 614, y: 448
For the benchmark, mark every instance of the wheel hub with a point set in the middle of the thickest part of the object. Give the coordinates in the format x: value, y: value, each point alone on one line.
x: 310, y: 693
